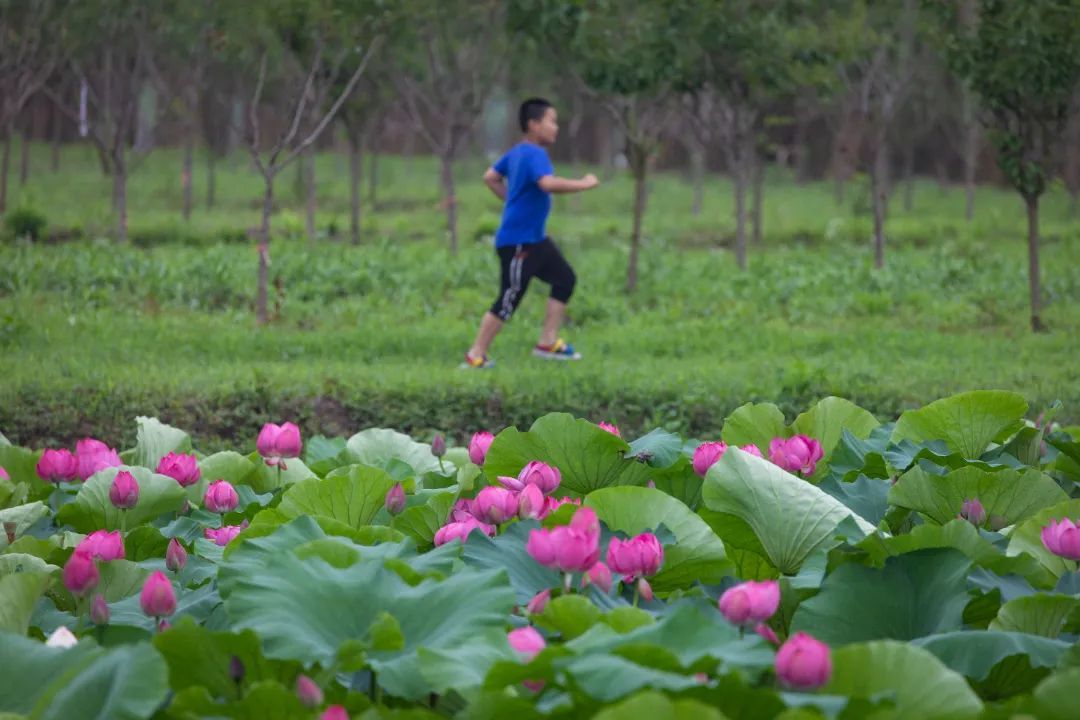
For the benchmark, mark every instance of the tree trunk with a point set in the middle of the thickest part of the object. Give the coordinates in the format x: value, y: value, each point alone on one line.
x: 211, y: 177
x: 879, y: 182
x: 909, y: 176
x: 5, y: 160
x: 739, y: 173
x: 640, y: 173
x: 802, y: 151
x: 185, y: 174
x: 697, y: 176
x: 1033, y: 264
x: 24, y: 154
x: 356, y: 174
x: 309, y: 187
x: 758, y: 190
x: 838, y: 190
x: 298, y: 179
x: 57, y: 131
x: 120, y: 195
x: 971, y: 164
x: 450, y: 200
x: 262, y: 315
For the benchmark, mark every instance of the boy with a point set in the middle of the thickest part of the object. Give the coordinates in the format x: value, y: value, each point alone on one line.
x: 524, y: 179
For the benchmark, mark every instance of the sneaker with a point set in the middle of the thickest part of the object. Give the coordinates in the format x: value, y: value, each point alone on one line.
x: 561, y: 350
x: 480, y: 363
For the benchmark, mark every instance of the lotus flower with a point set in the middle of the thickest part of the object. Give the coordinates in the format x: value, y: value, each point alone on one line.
x: 751, y: 602
x: 526, y: 642
x: 335, y: 712
x: 640, y: 556
x: 570, y: 548
x: 644, y: 589
x: 613, y: 429
x: 99, y: 610
x: 395, y: 499
x: 310, y: 694
x: 237, y: 671
x: 766, y: 632
x: 478, y: 446
x: 803, y: 663
x: 124, y: 491
x: 799, y: 454
x: 175, y: 556
x: 460, y: 531
x: 276, y: 443
x: 600, y: 576
x: 181, y: 467
x: 61, y: 637
x: 706, y: 455
x: 542, y: 475
x: 81, y: 574
x: 972, y: 510
x: 103, y: 545
x: 530, y: 503
x: 462, y: 511
x: 58, y: 465
x: 539, y: 602
x: 226, y: 534
x: 93, y: 456
x: 4, y: 474
x: 438, y: 446
x: 751, y: 449
x: 221, y: 497
x: 1063, y: 539
x: 495, y: 505
x: 551, y: 504
x: 158, y: 599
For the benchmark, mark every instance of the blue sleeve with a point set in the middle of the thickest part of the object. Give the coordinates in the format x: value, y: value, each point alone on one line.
x: 502, y: 166
x: 538, y: 165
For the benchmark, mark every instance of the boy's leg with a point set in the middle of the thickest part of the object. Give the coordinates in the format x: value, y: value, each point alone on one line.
x: 490, y: 326
x: 553, y: 320
x: 516, y: 263
x: 556, y: 271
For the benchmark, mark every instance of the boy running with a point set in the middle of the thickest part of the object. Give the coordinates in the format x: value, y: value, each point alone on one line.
x: 524, y: 179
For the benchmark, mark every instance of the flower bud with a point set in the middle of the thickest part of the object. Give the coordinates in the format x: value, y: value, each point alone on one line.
x: 309, y: 693
x: 99, y: 610
x: 175, y: 556
x: 124, y: 491
x: 158, y: 599
x: 395, y: 499
x: 221, y: 497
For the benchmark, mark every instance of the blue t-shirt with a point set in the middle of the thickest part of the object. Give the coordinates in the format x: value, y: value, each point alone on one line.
x: 527, y: 206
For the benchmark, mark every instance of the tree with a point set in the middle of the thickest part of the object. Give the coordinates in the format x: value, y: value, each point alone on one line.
x: 1023, y: 62
x: 299, y: 50
x: 359, y: 115
x: 450, y: 56
x: 629, y: 59
x: 31, y: 47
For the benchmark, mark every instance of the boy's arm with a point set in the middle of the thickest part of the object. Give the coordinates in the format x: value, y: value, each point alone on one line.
x: 496, y: 182
x: 555, y: 184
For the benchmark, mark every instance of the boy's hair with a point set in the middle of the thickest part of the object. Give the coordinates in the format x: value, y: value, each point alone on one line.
x: 532, y: 109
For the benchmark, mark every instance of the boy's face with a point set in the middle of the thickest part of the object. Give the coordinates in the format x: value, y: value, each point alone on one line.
x: 546, y: 129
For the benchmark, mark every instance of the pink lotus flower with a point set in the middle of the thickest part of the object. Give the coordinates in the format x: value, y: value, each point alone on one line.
x: 766, y: 632
x: 972, y: 510
x: 93, y: 456
x: 395, y: 499
x: 796, y: 454
x: 530, y: 503
x: 706, y: 455
x: 542, y: 475
x: 479, y: 445
x: 569, y: 548
x: 310, y: 694
x: 4, y: 474
x: 751, y: 602
x: 221, y: 497
x: 460, y: 531
x: 226, y: 534
x: 175, y: 556
x: 495, y: 505
x: 335, y: 712
x: 103, y: 545
x: 182, y: 468
x: 640, y: 556
x: 124, y: 491
x: 526, y: 642
x: 600, y: 576
x: 99, y: 610
x: 81, y: 574
x: 751, y: 449
x: 438, y: 446
x: 613, y: 429
x: 276, y: 443
x: 803, y: 663
x: 644, y: 589
x: 462, y: 511
x: 551, y: 504
x: 1063, y: 539
x: 539, y: 602
x: 58, y: 465
x: 158, y: 599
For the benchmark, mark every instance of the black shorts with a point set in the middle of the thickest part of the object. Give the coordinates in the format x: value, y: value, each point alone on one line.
x: 521, y: 263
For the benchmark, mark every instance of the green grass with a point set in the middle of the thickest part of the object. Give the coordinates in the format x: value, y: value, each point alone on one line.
x: 92, y: 334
